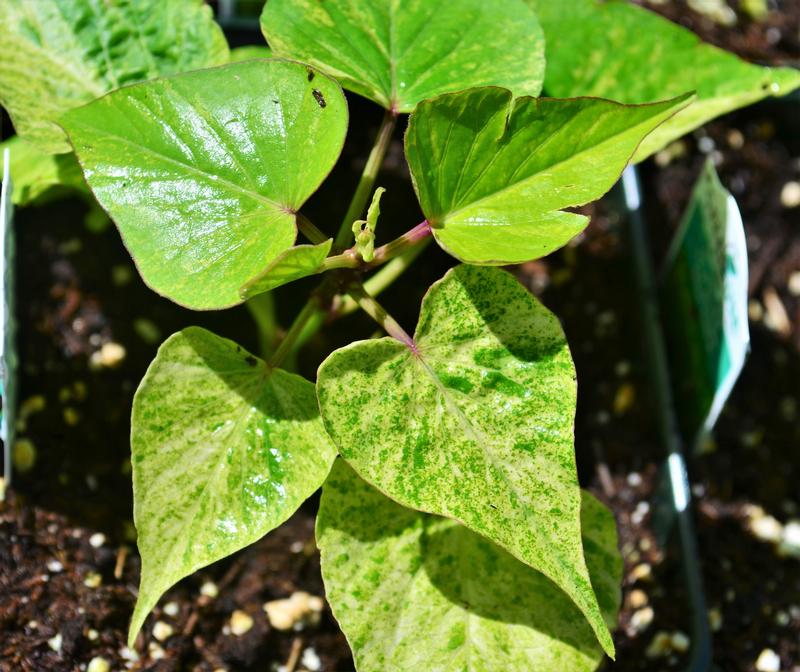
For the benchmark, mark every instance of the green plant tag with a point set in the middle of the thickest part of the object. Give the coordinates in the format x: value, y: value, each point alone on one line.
x: 614, y: 49
x: 38, y: 175
x: 202, y: 172
x: 417, y: 592
x: 399, y: 52
x: 705, y: 304
x: 224, y: 449
x: 475, y: 422
x: 59, y: 55
x: 494, y: 174
x: 295, y: 263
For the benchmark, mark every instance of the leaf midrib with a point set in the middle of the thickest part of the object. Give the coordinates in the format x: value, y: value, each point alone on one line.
x: 512, y: 186
x: 208, y: 177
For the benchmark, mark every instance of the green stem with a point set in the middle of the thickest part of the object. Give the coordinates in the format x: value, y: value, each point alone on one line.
x: 367, y: 181
x: 262, y: 310
x: 351, y: 259
x: 309, y: 230
x: 286, y: 346
x: 383, y: 278
x: 377, y: 312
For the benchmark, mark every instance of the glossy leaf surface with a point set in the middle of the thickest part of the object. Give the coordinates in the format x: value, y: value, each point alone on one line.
x: 295, y: 263
x: 223, y: 450
x: 58, y: 55
x: 494, y: 174
x: 202, y: 172
x: 418, y: 592
x: 476, y: 425
x: 399, y: 52
x: 617, y: 50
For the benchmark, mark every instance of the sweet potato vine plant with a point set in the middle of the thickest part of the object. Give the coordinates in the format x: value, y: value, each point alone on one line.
x: 453, y: 532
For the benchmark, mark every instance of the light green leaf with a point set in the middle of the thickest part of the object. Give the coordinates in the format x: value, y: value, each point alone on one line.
x: 494, y: 174
x: 224, y: 449
x: 417, y: 592
x: 474, y: 423
x: 399, y: 52
x: 616, y: 50
x: 58, y: 55
x: 37, y: 175
x: 250, y: 51
x: 295, y: 263
x: 203, y: 172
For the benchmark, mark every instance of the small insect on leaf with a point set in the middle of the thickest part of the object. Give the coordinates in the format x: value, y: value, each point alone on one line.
x: 319, y: 97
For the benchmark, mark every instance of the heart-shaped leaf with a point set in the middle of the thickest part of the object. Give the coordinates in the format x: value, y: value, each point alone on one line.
x: 615, y: 49
x: 295, y: 263
x: 58, y: 55
x: 399, y: 52
x: 417, y: 592
x: 474, y: 422
x: 202, y: 172
x: 494, y: 174
x: 224, y: 449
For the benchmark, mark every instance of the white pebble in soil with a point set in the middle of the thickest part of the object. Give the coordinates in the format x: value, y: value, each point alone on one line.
x: 171, y: 609
x: 790, y: 195
x: 209, y: 589
x: 241, y: 622
x: 766, y: 528
x: 97, y: 540
x: 98, y: 664
x: 162, y: 631
x: 310, y: 660
x: 768, y: 661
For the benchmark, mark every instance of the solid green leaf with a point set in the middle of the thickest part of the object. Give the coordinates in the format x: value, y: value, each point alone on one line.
x: 418, y: 592
x: 203, y: 172
x: 493, y: 174
x: 614, y: 49
x: 250, y: 51
x: 224, y: 449
x: 474, y: 422
x: 37, y: 175
x: 399, y: 52
x: 295, y: 263
x: 58, y: 55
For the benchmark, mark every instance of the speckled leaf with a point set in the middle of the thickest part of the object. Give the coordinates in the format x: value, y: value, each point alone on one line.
x: 58, y: 55
x: 202, y: 172
x: 224, y: 449
x: 418, y: 592
x: 475, y: 425
x: 614, y: 49
x: 399, y: 52
x: 493, y: 174
x: 249, y: 52
x: 37, y: 175
x: 295, y: 263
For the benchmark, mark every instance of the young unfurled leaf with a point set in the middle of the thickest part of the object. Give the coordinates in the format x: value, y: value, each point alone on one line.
x: 413, y: 591
x: 364, y: 229
x: 295, y: 263
x: 202, y: 172
x: 616, y: 50
x: 493, y: 175
x: 474, y: 422
x: 399, y: 52
x: 224, y: 449
x: 58, y: 55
